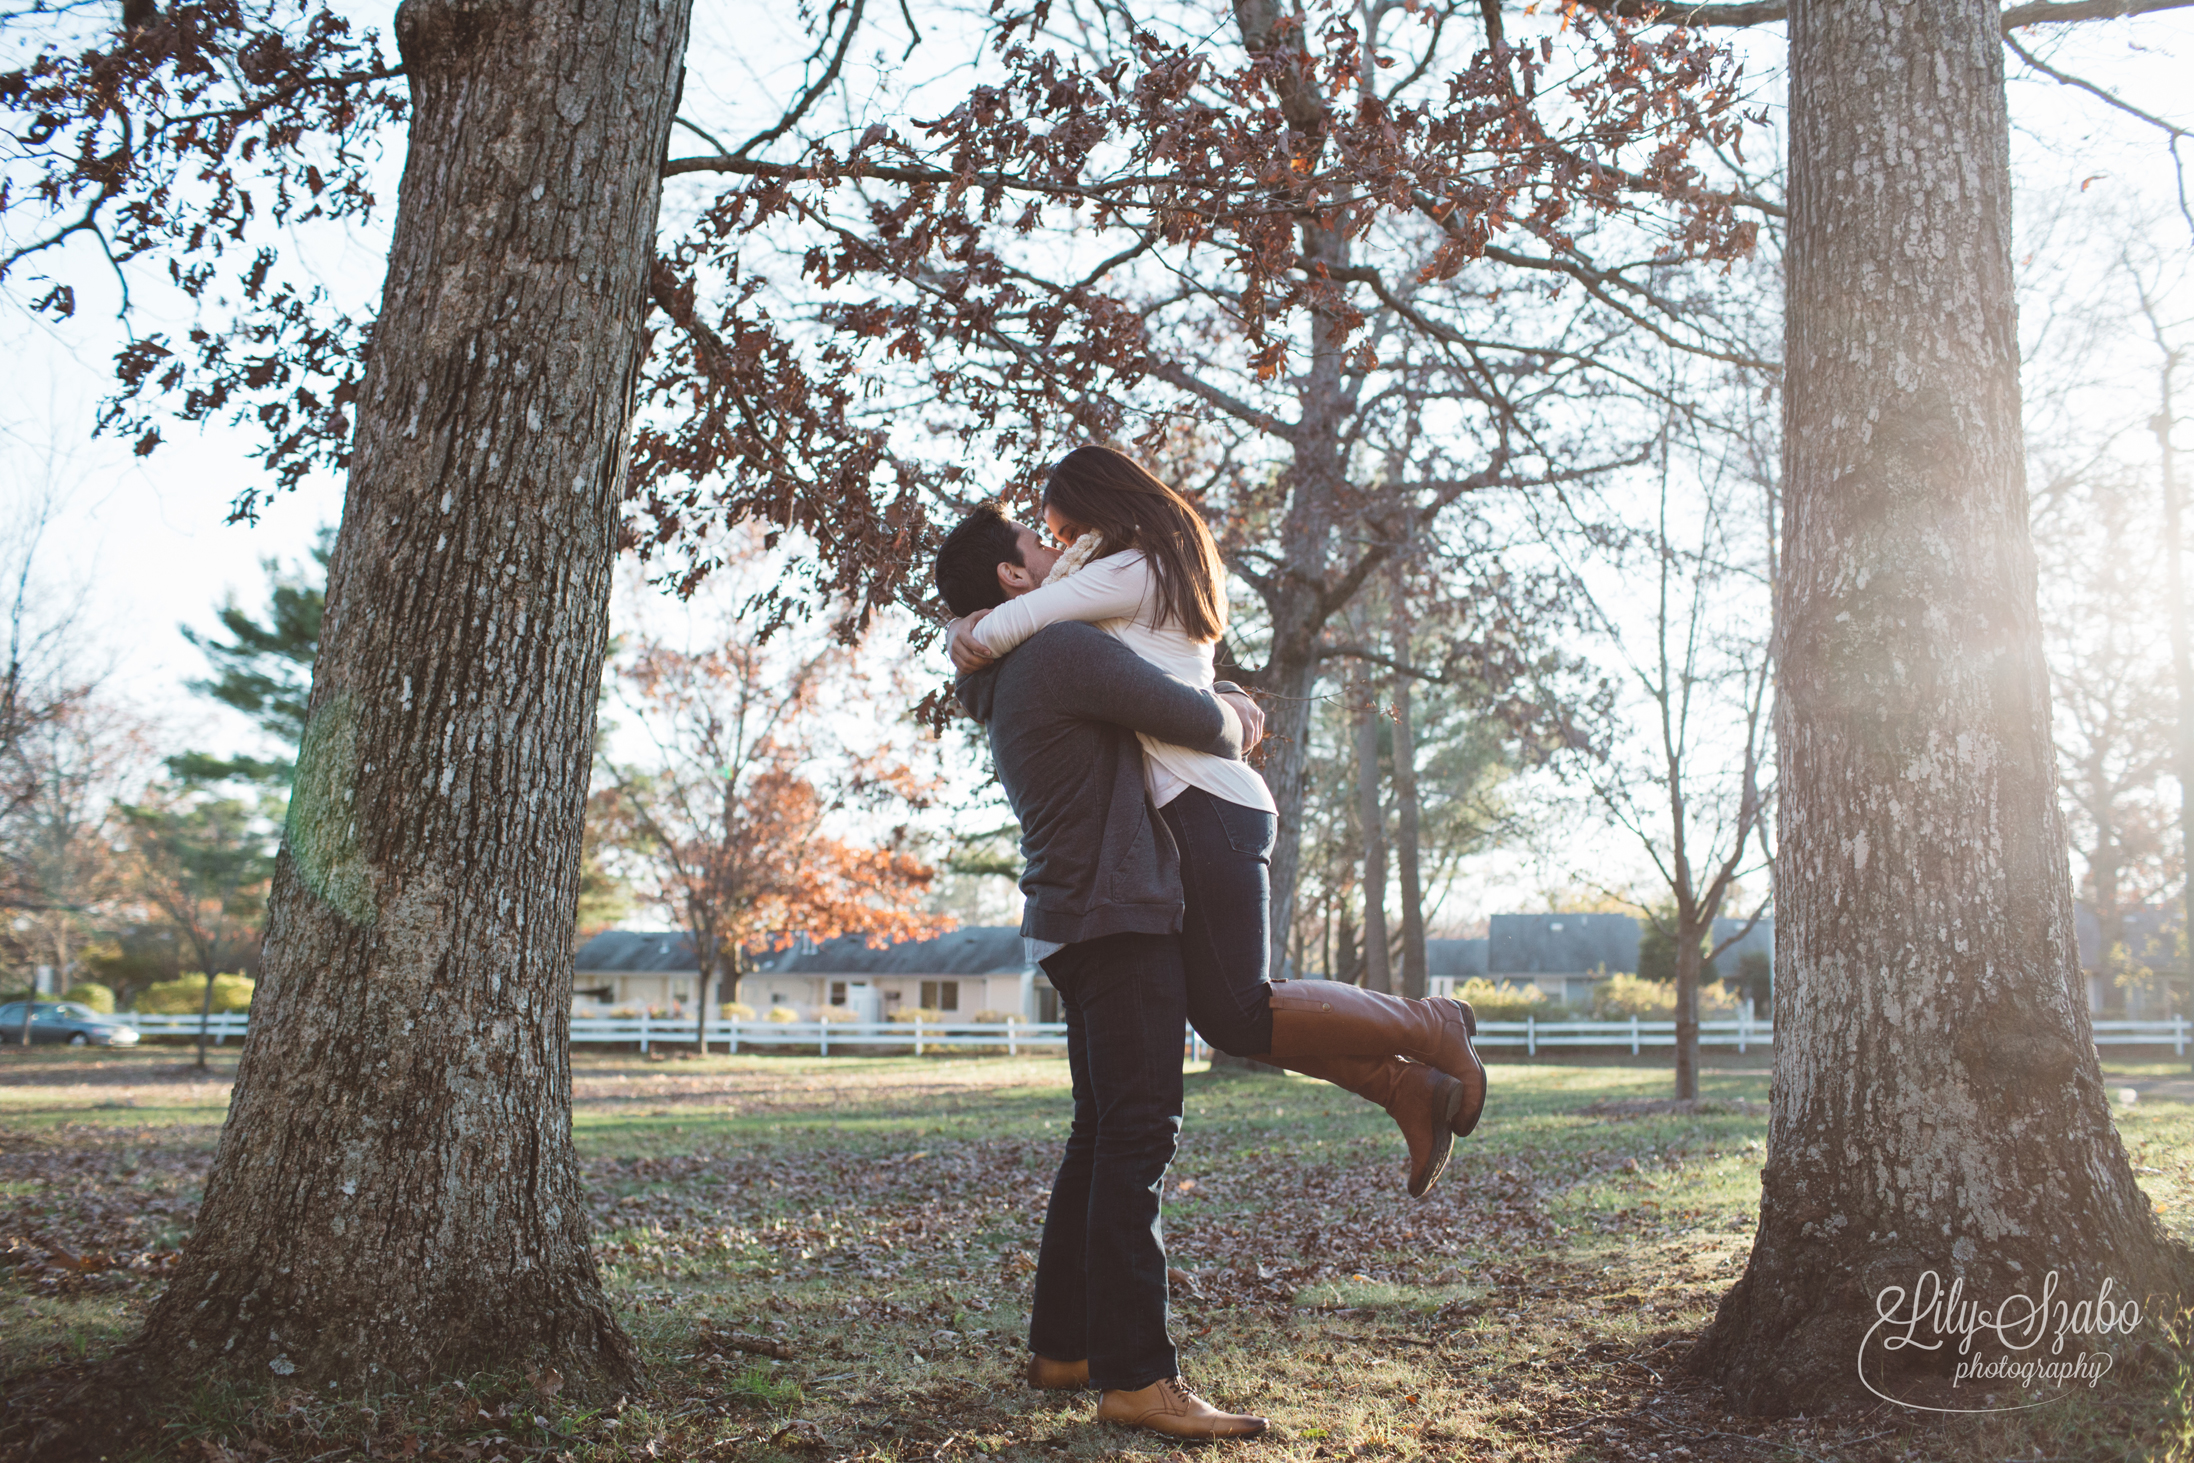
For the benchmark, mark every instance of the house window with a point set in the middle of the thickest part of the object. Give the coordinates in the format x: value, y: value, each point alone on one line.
x: 837, y: 993
x: 940, y: 995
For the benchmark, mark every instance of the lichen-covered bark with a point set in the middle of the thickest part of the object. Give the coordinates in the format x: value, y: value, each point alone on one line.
x: 395, y: 1192
x: 1937, y: 1104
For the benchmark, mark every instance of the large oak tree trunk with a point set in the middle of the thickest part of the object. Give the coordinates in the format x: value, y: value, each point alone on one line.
x: 1938, y: 1104
x: 395, y: 1191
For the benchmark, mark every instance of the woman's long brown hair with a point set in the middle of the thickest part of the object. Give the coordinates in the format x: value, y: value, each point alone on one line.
x: 1110, y: 492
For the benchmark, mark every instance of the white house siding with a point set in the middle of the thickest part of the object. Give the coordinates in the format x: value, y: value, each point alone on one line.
x: 963, y: 973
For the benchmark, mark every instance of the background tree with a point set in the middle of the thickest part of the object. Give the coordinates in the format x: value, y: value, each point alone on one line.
x: 45, y: 694
x: 1925, y: 953
x: 1697, y: 788
x: 1289, y: 257
x: 264, y: 670
x: 1464, y: 753
x: 59, y: 837
x: 2102, y: 535
x: 732, y: 824
x: 2116, y: 730
x: 203, y: 861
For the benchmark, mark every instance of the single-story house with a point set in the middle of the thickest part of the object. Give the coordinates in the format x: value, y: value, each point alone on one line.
x: 637, y: 969
x: 1564, y: 955
x: 980, y: 968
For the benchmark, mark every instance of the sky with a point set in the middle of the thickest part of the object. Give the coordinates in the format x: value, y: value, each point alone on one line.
x: 148, y: 545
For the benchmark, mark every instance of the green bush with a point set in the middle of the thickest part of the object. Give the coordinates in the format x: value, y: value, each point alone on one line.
x: 736, y: 1011
x: 184, y: 997
x: 90, y: 993
x: 782, y: 1015
x: 922, y: 1014
x: 997, y: 1018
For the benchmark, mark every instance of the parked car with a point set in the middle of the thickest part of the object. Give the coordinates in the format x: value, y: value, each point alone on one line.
x: 68, y: 1022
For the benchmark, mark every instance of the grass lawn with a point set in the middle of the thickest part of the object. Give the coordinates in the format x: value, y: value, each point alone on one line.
x: 829, y: 1259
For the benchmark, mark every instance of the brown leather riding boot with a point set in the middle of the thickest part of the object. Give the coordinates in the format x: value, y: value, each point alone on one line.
x: 1327, y: 1018
x: 1422, y: 1102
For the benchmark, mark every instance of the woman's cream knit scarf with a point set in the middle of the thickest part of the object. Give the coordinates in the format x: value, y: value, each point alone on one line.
x: 1080, y: 552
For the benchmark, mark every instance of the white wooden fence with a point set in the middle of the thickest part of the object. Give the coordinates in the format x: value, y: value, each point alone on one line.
x: 1742, y: 1033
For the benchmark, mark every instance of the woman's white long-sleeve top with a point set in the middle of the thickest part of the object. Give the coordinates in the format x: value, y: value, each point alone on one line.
x: 1119, y: 595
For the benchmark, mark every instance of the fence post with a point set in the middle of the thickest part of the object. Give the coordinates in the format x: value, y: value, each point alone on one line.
x: 1744, y: 1020
x: 917, y: 1036
x: 826, y: 1035
x: 732, y: 1046
x: 1634, y: 1034
x: 1531, y: 1034
x: 1013, y: 1042
x: 2178, y: 1034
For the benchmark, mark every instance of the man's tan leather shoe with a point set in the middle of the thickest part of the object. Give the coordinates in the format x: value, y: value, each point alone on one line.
x: 1057, y: 1376
x: 1169, y: 1407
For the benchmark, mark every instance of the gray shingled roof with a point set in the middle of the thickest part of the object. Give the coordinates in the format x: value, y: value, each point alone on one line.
x: 635, y: 952
x: 974, y: 950
x: 1761, y: 938
x: 1539, y: 944
x: 1461, y: 959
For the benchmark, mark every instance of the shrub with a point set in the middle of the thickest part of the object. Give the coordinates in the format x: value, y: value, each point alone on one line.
x: 783, y: 1015
x: 1620, y: 997
x: 183, y: 997
x: 1506, y: 1002
x: 921, y: 1013
x: 997, y: 1018
x: 736, y: 1011
x: 92, y: 994
x: 836, y: 1014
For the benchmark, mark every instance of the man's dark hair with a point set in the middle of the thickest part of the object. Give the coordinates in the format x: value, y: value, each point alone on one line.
x: 967, y: 566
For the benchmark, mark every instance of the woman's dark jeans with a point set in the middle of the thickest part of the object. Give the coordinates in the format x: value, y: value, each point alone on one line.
x: 1101, y: 1270
x: 1226, y: 932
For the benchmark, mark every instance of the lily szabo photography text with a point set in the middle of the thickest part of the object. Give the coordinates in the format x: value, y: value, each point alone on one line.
x: 896, y: 732
x: 2018, y: 1346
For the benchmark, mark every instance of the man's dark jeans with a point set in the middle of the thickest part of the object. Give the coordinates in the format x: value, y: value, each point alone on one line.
x: 1101, y: 1270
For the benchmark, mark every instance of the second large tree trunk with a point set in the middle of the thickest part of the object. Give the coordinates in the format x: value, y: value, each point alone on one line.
x: 1938, y: 1105
x: 395, y: 1193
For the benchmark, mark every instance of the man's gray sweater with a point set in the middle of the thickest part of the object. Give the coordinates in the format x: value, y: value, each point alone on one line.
x: 1062, y: 712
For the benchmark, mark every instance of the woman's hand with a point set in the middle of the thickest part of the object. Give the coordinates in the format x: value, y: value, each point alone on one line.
x: 969, y: 653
